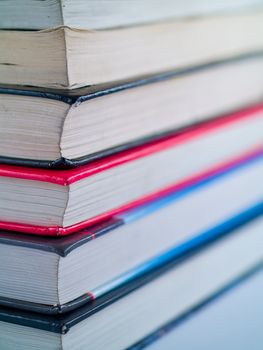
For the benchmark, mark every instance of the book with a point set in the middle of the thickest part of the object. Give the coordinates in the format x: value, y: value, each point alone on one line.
x: 31, y: 14
x: 126, y: 315
x: 54, y: 129
x: 240, y: 305
x: 56, y: 276
x: 53, y: 202
x: 68, y: 58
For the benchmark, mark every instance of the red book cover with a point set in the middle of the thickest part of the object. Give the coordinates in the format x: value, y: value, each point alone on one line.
x: 70, y: 176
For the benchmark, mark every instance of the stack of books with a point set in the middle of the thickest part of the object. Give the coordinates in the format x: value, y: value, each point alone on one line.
x: 131, y: 150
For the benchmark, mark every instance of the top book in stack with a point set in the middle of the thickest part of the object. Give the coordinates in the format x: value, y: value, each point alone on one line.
x: 102, y: 14
x: 73, y: 55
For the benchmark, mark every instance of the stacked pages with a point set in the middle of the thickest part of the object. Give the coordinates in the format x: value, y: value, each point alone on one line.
x: 131, y: 163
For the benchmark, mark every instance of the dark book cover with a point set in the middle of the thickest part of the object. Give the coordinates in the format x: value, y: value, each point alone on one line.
x: 62, y: 323
x: 78, y: 96
x: 64, y: 245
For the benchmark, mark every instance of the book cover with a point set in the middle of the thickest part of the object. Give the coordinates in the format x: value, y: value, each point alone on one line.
x: 77, y: 97
x: 62, y: 323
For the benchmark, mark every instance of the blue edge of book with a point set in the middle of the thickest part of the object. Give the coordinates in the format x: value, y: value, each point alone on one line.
x: 199, y: 240
x: 230, y: 224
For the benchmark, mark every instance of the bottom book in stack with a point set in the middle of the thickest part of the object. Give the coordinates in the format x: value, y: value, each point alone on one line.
x: 142, y: 270
x: 230, y: 319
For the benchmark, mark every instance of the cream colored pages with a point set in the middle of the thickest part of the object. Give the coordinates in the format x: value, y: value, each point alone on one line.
x: 69, y: 58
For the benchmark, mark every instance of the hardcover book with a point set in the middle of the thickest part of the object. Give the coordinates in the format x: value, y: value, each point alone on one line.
x: 54, y: 129
x: 68, y: 58
x: 129, y: 313
x: 53, y: 202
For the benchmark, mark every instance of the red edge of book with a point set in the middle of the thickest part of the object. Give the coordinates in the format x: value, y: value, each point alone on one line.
x: 63, y: 231
x: 66, y: 177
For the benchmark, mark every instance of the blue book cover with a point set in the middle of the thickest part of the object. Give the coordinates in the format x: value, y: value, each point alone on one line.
x: 173, y: 226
